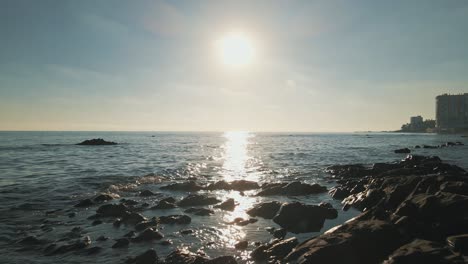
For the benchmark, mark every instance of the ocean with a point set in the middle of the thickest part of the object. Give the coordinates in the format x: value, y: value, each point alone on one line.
x: 43, y: 174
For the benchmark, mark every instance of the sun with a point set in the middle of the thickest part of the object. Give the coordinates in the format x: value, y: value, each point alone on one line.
x: 236, y: 49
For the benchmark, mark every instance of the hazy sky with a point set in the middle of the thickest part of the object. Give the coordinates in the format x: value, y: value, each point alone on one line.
x: 148, y: 65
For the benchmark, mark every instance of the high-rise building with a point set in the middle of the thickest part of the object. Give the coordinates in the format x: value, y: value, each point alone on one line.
x: 452, y: 112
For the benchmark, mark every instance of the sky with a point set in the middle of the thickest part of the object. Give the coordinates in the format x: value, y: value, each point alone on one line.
x: 319, y: 66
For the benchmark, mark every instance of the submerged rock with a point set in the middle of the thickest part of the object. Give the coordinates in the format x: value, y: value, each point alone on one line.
x: 293, y: 189
x: 266, y: 210
x: 96, y: 142
x: 198, y: 199
x: 297, y: 217
x: 175, y: 219
x: 228, y: 205
x: 148, y: 257
x: 148, y: 235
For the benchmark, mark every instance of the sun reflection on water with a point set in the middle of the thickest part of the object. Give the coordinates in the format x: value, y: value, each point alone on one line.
x: 236, y: 155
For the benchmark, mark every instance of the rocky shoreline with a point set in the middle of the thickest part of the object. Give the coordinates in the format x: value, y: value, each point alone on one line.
x: 413, y: 211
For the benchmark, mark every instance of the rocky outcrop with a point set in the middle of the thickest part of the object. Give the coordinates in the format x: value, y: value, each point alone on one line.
x: 275, y: 251
x: 190, y: 186
x: 238, y: 185
x: 291, y: 189
x: 148, y: 257
x: 96, y: 142
x: 266, y: 210
x: 302, y: 218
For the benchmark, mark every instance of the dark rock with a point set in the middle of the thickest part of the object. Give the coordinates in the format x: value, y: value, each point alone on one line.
x: 149, y: 257
x: 280, y: 233
x: 403, y: 150
x: 222, y: 260
x: 228, y: 205
x: 145, y: 224
x: 190, y: 186
x: 115, y: 210
x: 423, y: 251
x: 102, y: 238
x: 117, y: 222
x: 148, y: 235
x: 238, y: 185
x: 266, y: 210
x: 72, y: 214
x: 121, y: 242
x: 146, y: 193
x: 175, y: 219
x: 133, y: 218
x: 354, y: 242
x: 198, y: 200
x: 430, y: 147
x: 84, y: 203
x: 104, y: 197
x: 241, y: 245
x: 96, y: 222
x: 163, y: 205
x: 31, y: 240
x: 186, y: 231
x: 169, y: 200
x: 339, y: 193
x: 293, y: 189
x: 459, y: 243
x: 77, y: 245
x: 417, y: 146
x: 128, y: 202
x: 183, y: 256
x: 274, y: 251
x: 166, y: 243
x: 130, y: 234
x: 301, y: 218
x: 96, y: 142
x: 199, y: 211
x: 242, y: 222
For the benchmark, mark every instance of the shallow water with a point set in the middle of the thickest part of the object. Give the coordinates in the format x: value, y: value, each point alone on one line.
x: 44, y: 171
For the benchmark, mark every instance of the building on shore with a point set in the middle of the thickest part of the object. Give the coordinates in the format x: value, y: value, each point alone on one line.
x: 452, y: 113
x: 419, y: 125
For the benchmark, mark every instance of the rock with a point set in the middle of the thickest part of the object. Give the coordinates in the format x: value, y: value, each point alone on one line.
x: 417, y: 146
x: 115, y: 210
x: 297, y: 217
x: 146, y: 193
x: 169, y: 200
x: 72, y: 214
x: 199, y: 211
x: 183, y: 256
x: 121, y: 242
x: 238, y: 185
x: 148, y: 257
x: 242, y: 222
x: 148, y: 235
x: 133, y: 218
x: 198, y: 200
x: 339, y: 193
x: 96, y: 222
x: 102, y: 238
x: 186, y: 231
x: 293, y: 189
x: 423, y: 251
x: 166, y: 242
x: 31, y: 240
x: 117, y: 222
x: 350, y: 243
x: 280, y: 233
x: 96, y: 142
x: 77, y: 245
x: 145, y: 224
x: 128, y: 202
x: 228, y: 205
x: 84, y: 203
x: 190, y: 186
x: 403, y: 150
x: 274, y: 251
x: 175, y: 219
x: 222, y: 260
x: 162, y: 205
x: 266, y: 210
x: 130, y: 234
x: 365, y: 199
x: 459, y: 243
x: 241, y: 245
x: 430, y: 147
x: 104, y: 197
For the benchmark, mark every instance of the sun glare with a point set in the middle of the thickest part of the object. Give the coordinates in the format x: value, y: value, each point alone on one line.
x: 236, y: 49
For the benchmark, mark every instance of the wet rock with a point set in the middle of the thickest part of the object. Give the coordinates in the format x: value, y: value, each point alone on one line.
x: 146, y: 193
x: 241, y: 245
x: 117, y: 222
x: 190, y: 186
x: 423, y: 251
x: 148, y: 235
x: 350, y: 243
x: 133, y: 218
x: 96, y: 222
x: 293, y: 189
x: 121, y: 242
x: 93, y: 250
x: 228, y: 205
x: 266, y: 210
x: 113, y: 210
x: 169, y: 200
x: 459, y: 243
x: 128, y: 202
x: 102, y: 238
x: 199, y: 211
x: 104, y: 197
x: 166, y: 242
x: 417, y: 146
x: 130, y: 234
x: 186, y: 231
x: 145, y: 224
x: 84, y: 203
x: 280, y: 233
x: 301, y: 218
x: 403, y: 150
x: 277, y: 250
x: 31, y: 240
x: 365, y: 199
x: 430, y: 147
x: 222, y: 260
x: 339, y: 193
x: 77, y: 245
x: 242, y: 222
x: 148, y: 257
x: 163, y: 205
x: 238, y: 185
x: 96, y: 142
x: 198, y: 200
x: 175, y: 219
x: 180, y: 256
